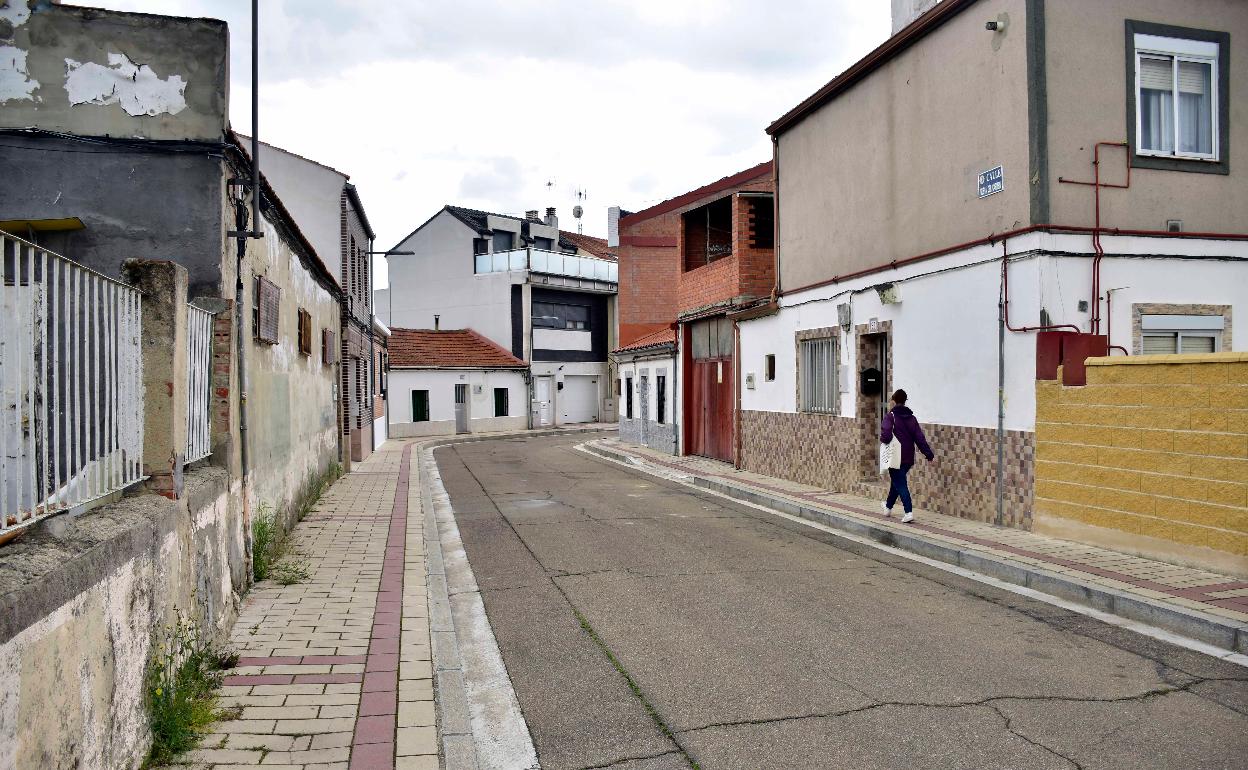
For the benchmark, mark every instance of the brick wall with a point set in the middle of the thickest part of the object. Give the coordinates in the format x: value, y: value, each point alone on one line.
x: 1150, y: 456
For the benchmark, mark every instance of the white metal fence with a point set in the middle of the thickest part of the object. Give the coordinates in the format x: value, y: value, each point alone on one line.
x: 71, y: 389
x: 198, y: 383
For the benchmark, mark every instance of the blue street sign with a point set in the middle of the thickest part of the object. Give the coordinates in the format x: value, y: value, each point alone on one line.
x: 991, y: 181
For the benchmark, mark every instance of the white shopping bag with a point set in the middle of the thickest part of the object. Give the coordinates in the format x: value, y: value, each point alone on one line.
x: 890, y: 455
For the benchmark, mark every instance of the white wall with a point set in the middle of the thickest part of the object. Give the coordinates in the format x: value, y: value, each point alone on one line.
x: 441, y: 386
x: 439, y: 280
x: 601, y: 370
x: 653, y: 367
x: 944, y: 330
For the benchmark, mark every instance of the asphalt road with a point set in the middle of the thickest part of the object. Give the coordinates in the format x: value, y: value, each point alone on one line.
x: 647, y: 626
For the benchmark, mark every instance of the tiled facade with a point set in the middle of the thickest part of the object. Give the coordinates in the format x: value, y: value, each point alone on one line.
x: 826, y: 451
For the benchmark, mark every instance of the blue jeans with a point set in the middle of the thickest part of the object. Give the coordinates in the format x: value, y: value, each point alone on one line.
x: 899, y: 488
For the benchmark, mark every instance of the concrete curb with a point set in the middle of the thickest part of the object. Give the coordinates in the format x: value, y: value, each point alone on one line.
x: 480, y: 724
x: 1214, y: 630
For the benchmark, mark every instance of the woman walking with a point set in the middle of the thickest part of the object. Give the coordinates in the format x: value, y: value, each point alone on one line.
x: 901, y: 423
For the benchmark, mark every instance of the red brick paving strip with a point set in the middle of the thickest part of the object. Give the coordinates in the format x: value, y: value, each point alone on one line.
x: 372, y: 746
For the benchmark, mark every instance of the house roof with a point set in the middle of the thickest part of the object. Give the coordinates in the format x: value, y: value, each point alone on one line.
x: 906, y: 37
x: 595, y: 247
x: 354, y: 195
x: 478, y: 220
x: 671, y: 204
x: 447, y: 349
x: 651, y: 340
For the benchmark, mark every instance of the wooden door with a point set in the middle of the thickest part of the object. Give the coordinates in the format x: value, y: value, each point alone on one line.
x: 711, y: 409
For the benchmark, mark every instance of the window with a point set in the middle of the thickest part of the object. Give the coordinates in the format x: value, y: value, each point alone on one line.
x: 267, y: 298
x: 762, y: 220
x: 817, y: 362
x: 707, y: 232
x: 628, y: 397
x: 711, y: 339
x: 420, y: 406
x: 480, y: 246
x: 555, y: 315
x: 1162, y: 334
x: 1177, y: 97
x: 660, y: 393
x: 328, y: 352
x: 504, y: 241
x: 769, y: 367
x: 500, y: 403
x: 303, y: 328
x: 544, y: 243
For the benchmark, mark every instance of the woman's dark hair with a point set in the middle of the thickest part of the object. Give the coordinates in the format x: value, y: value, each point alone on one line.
x: 900, y: 396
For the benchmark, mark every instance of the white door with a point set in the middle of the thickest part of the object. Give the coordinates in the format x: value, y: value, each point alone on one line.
x: 461, y: 408
x: 541, y: 394
x: 578, y: 400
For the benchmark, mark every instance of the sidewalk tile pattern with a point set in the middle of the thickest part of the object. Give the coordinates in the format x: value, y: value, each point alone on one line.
x: 320, y: 679
x: 1217, y: 594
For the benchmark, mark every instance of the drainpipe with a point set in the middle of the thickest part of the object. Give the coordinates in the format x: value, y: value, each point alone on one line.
x: 1005, y: 298
x: 775, y: 215
x: 1094, y: 324
x: 736, y: 422
x: 1001, y: 324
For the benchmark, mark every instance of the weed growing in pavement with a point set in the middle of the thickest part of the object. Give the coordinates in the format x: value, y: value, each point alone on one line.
x: 180, y: 689
x: 289, y: 573
x: 271, y: 551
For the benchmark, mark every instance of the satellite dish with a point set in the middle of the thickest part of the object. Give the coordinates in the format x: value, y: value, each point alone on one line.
x: 577, y: 211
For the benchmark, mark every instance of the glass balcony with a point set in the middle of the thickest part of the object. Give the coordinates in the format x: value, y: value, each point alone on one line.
x: 549, y: 263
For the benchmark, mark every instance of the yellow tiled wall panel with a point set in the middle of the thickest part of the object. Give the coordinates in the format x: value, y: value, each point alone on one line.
x: 1152, y: 445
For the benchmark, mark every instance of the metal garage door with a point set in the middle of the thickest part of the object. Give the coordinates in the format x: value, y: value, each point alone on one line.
x: 578, y: 399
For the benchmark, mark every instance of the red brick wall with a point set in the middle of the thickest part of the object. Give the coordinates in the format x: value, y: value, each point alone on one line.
x: 654, y: 290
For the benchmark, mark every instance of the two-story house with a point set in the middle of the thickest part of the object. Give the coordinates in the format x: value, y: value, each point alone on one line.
x: 544, y: 295
x: 998, y: 176
x: 329, y: 211
x: 692, y: 266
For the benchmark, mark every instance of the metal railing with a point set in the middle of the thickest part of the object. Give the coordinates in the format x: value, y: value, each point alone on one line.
x: 198, y: 383
x: 548, y: 262
x: 71, y: 388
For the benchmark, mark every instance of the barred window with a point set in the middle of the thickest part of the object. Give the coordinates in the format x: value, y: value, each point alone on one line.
x: 818, y: 372
x: 268, y: 300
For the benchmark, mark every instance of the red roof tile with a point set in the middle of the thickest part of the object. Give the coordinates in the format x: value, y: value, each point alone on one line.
x: 661, y: 337
x: 588, y: 244
x: 450, y: 348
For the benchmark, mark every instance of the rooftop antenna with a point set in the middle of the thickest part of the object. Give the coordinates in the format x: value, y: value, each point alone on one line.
x: 581, y: 195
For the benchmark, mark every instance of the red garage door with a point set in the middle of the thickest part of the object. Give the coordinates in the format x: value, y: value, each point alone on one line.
x: 711, y: 392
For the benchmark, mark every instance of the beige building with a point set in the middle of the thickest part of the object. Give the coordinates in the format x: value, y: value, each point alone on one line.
x: 1072, y: 163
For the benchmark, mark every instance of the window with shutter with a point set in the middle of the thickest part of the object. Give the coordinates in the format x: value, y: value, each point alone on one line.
x: 268, y: 300
x: 305, y: 332
x: 1160, y: 344
x: 1176, y: 97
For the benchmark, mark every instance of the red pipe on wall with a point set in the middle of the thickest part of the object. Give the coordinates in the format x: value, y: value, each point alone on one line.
x: 1096, y: 185
x: 1005, y: 299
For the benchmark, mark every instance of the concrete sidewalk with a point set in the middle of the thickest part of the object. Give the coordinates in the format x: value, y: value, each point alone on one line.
x: 1198, y: 604
x: 335, y: 673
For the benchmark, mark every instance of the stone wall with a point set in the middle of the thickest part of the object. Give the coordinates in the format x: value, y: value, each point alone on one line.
x: 80, y: 600
x: 660, y: 436
x: 826, y: 450
x: 1150, y: 457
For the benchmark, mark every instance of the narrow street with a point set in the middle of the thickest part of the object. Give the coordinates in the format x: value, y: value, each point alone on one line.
x: 646, y: 626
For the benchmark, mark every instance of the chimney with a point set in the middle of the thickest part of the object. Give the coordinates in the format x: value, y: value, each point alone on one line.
x: 551, y: 219
x: 437, y: 322
x: 613, y: 226
x: 906, y: 11
x: 531, y: 215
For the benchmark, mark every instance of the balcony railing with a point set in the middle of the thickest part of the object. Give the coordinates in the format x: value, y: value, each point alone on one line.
x: 548, y: 262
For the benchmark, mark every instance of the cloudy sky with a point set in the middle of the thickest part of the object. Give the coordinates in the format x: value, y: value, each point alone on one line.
x: 516, y: 105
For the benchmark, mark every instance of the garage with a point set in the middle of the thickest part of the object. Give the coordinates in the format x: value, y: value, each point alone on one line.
x: 578, y: 399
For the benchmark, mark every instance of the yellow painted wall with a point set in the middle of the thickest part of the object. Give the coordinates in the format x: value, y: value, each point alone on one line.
x: 1152, y: 453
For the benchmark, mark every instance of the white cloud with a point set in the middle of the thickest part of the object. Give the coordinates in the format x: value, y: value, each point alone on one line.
x: 484, y: 103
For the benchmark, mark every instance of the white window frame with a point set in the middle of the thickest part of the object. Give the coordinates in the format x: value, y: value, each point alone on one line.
x: 1177, y: 50
x: 820, y: 385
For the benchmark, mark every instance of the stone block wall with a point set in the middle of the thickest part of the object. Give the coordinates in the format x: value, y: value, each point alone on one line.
x: 81, y: 600
x: 1151, y: 456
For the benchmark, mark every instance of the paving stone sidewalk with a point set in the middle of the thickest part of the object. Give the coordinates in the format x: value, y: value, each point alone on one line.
x: 1220, y: 595
x: 335, y: 672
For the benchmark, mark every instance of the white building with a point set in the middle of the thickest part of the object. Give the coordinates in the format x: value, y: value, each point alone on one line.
x: 453, y: 381
x: 545, y: 295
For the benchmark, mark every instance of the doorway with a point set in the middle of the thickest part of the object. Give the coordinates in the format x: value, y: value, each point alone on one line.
x: 461, y: 408
x: 542, y: 400
x: 875, y: 384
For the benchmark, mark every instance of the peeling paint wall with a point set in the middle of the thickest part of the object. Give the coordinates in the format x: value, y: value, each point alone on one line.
x: 93, y: 72
x: 72, y: 665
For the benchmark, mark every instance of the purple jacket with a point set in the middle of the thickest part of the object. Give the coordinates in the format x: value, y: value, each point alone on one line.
x: 902, y: 423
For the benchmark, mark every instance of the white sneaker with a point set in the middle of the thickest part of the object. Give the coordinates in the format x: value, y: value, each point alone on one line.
x: 909, y: 517
x: 888, y: 512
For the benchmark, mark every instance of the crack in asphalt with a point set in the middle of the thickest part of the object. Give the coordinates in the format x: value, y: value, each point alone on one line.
x: 622, y: 760
x: 1168, y: 673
